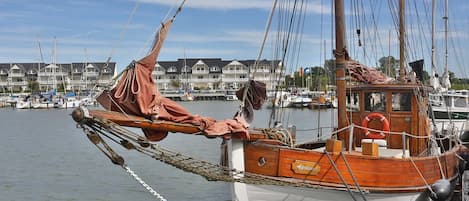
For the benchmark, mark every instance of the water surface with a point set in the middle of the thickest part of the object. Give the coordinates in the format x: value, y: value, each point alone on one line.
x: 43, y: 156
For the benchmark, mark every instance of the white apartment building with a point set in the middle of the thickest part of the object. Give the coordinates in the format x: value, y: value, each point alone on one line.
x: 183, y: 74
x: 215, y: 74
x: 16, y: 77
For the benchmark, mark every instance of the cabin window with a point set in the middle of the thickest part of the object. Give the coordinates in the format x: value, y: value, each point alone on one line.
x: 460, y: 102
x: 401, y: 101
x: 352, y: 102
x: 375, y: 101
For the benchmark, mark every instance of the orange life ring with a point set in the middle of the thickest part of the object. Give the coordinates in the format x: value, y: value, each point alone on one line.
x: 373, y: 135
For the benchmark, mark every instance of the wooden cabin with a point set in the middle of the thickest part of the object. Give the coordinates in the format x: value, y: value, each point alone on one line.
x: 403, y: 106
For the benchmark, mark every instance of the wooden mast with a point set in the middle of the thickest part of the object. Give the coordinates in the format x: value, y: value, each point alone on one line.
x: 340, y: 53
x: 401, y: 40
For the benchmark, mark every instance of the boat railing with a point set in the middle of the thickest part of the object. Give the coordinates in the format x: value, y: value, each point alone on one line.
x: 319, y: 131
x: 405, y: 136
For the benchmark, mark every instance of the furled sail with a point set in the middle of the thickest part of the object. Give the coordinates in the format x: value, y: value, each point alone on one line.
x: 366, y: 74
x: 137, y: 94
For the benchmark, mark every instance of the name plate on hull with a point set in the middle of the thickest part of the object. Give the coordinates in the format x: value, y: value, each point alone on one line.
x: 305, y: 167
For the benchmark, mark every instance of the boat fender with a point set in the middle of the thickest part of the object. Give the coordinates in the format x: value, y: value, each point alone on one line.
x: 384, y: 122
x: 442, y: 190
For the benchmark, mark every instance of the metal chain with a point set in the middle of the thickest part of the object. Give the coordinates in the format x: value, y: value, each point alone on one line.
x: 145, y: 185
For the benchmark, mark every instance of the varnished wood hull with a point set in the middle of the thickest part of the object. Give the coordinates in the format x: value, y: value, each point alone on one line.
x: 386, y: 175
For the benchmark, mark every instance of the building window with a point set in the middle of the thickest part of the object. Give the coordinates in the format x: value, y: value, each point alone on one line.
x: 242, y: 76
x: 173, y: 77
x: 200, y: 77
x: 172, y: 69
x: 215, y: 76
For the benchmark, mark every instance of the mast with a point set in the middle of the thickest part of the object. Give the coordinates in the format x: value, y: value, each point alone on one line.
x: 401, y: 40
x: 433, y: 79
x: 446, y: 81
x: 340, y: 52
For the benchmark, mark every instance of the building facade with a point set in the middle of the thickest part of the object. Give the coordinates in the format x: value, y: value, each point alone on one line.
x: 183, y: 74
x: 19, y: 77
x: 215, y: 74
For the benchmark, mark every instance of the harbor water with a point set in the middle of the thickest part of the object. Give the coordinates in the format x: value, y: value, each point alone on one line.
x: 44, y: 156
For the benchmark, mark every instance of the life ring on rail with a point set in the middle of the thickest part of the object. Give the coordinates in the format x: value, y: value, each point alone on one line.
x: 374, y: 135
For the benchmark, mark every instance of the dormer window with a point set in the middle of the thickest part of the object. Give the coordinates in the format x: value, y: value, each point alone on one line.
x: 214, y: 68
x: 172, y: 69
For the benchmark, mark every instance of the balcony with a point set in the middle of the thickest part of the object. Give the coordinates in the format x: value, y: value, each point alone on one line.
x: 235, y: 79
x: 51, y: 74
x: 157, y: 73
x: 104, y: 81
x: 16, y: 75
x: 235, y: 72
x: 18, y: 83
x: 91, y: 74
x: 200, y: 72
x: 162, y: 80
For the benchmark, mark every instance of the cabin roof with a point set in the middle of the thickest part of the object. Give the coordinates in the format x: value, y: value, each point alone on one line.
x: 391, y: 87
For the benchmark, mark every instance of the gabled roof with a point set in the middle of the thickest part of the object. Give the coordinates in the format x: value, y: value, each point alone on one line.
x: 66, y: 67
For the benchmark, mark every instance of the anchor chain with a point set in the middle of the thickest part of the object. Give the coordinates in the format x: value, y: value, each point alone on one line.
x: 145, y: 185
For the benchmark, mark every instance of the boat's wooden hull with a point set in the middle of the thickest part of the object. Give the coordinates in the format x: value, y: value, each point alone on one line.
x: 374, y: 174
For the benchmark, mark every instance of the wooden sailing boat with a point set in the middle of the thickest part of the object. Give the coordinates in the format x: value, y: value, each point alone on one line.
x: 265, y: 164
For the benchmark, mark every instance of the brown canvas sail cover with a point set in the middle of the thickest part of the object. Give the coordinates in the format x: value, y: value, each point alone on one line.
x: 137, y: 94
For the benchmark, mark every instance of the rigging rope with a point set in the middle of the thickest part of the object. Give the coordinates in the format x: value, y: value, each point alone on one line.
x: 94, y: 128
x: 121, y: 34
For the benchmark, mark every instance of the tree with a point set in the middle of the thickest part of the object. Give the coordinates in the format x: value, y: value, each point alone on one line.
x: 176, y: 83
x: 388, y: 65
x: 329, y: 66
x: 33, y: 85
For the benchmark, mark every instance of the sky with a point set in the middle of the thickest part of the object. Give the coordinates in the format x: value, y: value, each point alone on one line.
x: 89, y: 30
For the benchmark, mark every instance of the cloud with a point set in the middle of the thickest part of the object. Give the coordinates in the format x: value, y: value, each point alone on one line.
x: 313, y: 7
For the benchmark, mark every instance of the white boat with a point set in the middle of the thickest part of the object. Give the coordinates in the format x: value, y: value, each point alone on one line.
x: 281, y: 99
x: 44, y: 105
x: 301, y: 101
x: 69, y: 102
x: 88, y: 101
x: 231, y: 97
x: 23, y: 104
x: 187, y: 97
x: 452, y: 104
